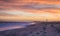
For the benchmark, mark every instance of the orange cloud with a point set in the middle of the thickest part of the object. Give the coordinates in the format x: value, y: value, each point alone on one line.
x: 30, y: 10
x: 27, y: 16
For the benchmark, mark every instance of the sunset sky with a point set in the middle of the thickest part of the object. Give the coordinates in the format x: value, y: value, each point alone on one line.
x: 29, y: 10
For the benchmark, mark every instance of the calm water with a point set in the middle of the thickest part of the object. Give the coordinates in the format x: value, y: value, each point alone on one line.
x: 11, y: 25
x: 14, y: 24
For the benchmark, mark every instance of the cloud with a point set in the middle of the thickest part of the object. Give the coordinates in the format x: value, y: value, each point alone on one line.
x: 3, y: 13
x: 30, y: 10
x: 29, y: 16
x: 39, y: 6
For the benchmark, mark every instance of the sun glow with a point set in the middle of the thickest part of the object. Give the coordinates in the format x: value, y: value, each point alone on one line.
x: 23, y: 15
x: 30, y: 10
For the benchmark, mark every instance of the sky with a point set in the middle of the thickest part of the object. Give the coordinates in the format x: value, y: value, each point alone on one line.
x: 29, y: 10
